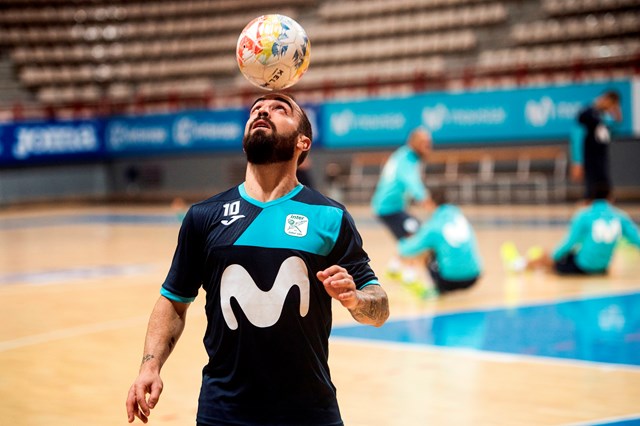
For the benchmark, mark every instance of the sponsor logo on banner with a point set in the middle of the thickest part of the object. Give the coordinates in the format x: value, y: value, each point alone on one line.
x: 55, y: 140
x: 186, y: 131
x: 542, y: 111
x: 347, y: 121
x: 121, y: 135
x: 435, y: 117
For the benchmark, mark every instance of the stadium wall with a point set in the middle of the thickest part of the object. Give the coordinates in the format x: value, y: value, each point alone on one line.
x: 198, y: 152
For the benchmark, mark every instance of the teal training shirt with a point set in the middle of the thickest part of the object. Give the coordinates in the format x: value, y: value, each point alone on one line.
x: 400, y: 182
x: 452, y: 240
x: 593, y: 234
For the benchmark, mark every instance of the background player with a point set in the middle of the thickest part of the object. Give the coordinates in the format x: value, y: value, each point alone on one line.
x: 449, y: 243
x: 590, y: 140
x: 248, y: 248
x: 589, y: 244
x: 400, y: 184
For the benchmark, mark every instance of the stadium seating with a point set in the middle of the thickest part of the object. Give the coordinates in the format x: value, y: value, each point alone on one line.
x: 66, y: 52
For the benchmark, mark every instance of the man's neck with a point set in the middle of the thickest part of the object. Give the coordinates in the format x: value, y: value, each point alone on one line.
x: 269, y: 182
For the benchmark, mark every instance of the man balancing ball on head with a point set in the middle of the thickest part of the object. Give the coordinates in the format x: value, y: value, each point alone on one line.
x: 271, y: 255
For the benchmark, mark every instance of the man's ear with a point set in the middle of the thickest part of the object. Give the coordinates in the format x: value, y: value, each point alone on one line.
x: 304, y: 143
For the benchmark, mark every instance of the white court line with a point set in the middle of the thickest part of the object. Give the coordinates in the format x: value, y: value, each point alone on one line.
x: 486, y: 355
x: 81, y: 330
x: 70, y: 332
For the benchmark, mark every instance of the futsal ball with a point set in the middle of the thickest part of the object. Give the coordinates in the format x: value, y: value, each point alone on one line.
x: 273, y: 52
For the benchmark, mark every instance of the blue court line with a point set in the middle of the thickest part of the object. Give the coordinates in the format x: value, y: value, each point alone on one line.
x: 602, y: 329
x: 73, y: 274
x: 625, y: 422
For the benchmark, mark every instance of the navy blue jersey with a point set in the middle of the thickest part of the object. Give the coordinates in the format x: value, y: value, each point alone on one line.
x: 269, y: 317
x: 596, y: 145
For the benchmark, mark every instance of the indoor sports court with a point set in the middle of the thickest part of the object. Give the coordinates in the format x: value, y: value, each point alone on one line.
x: 116, y: 116
x: 78, y: 283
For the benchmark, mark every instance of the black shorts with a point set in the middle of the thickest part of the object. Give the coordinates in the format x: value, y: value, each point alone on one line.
x: 567, y: 266
x: 444, y: 285
x: 400, y: 224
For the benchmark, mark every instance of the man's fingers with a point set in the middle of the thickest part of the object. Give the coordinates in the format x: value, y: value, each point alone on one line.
x: 156, y: 390
x: 131, y: 398
x: 133, y: 409
x: 141, y: 393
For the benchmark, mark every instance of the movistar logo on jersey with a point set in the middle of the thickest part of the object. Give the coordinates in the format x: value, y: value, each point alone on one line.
x: 296, y: 225
x: 606, y: 232
x: 263, y: 308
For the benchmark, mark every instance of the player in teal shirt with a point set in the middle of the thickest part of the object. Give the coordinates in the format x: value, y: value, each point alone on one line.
x: 401, y: 178
x: 454, y: 262
x: 401, y: 183
x: 590, y: 243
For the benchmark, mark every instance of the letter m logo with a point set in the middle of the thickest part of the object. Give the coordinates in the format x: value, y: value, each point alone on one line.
x: 606, y: 232
x: 263, y: 308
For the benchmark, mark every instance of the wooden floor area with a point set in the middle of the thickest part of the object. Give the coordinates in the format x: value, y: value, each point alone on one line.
x: 77, y: 284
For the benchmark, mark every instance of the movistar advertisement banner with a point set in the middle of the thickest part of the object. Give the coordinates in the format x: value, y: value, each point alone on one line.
x: 193, y: 130
x: 509, y: 115
x: 51, y: 141
x: 188, y: 131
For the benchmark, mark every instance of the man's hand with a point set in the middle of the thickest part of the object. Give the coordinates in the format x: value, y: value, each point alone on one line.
x: 339, y: 285
x: 138, y: 405
x: 577, y: 172
x: 367, y: 306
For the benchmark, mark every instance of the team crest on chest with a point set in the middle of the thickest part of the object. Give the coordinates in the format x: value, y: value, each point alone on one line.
x: 296, y: 225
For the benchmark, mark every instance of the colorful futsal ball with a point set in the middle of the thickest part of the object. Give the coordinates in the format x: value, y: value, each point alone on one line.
x: 273, y: 52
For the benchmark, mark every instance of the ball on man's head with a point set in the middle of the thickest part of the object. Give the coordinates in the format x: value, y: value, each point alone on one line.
x: 273, y: 52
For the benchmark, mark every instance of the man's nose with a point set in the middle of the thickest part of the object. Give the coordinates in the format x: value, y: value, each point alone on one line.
x: 263, y: 113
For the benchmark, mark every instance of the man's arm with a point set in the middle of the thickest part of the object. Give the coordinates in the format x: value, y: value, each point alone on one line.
x: 574, y: 236
x: 630, y: 231
x: 165, y: 327
x: 367, y: 306
x: 373, y: 306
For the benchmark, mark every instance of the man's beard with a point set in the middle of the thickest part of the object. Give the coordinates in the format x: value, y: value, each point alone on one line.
x: 262, y: 147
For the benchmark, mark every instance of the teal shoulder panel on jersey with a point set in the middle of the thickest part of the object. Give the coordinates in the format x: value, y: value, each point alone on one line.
x: 294, y: 225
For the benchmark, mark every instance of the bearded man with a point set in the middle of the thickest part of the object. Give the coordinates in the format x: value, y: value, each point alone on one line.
x: 271, y: 255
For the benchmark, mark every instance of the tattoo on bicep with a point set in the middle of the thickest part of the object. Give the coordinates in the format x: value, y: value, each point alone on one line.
x: 147, y: 357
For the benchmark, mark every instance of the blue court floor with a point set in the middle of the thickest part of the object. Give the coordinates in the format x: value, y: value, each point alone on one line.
x: 602, y: 330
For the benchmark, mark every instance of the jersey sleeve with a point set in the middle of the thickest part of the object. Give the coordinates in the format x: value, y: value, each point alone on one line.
x: 576, y: 145
x: 574, y: 236
x: 589, y: 118
x: 185, y: 275
x: 422, y: 241
x: 349, y: 253
x: 412, y: 177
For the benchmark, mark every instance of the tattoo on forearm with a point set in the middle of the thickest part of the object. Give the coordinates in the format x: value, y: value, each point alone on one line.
x: 147, y: 357
x: 373, y: 310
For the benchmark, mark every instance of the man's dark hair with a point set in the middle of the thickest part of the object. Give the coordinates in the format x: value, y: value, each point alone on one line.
x: 304, y: 128
x: 612, y: 95
x: 599, y: 192
x: 438, y: 196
